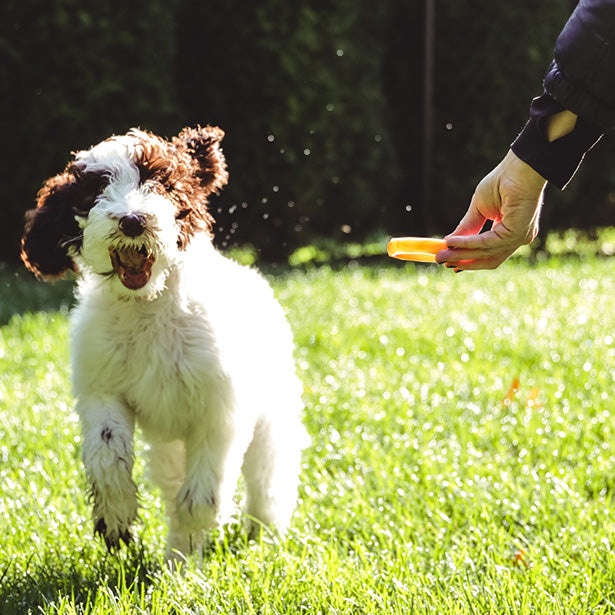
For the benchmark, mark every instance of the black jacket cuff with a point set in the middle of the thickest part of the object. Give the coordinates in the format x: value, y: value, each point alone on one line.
x: 556, y: 161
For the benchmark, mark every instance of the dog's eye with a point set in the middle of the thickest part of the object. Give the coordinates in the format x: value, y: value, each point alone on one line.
x: 85, y: 190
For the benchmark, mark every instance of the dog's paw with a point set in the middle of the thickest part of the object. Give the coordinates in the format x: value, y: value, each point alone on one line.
x: 182, y: 545
x: 197, y: 509
x: 112, y: 536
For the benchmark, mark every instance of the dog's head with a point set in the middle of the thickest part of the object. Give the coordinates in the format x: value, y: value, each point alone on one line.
x: 126, y: 208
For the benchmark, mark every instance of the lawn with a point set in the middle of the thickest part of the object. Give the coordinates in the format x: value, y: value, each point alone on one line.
x: 462, y: 457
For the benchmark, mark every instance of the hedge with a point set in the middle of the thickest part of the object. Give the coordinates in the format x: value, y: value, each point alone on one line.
x: 321, y: 102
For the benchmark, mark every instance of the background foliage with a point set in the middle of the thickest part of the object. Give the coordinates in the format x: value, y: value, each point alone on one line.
x: 321, y: 102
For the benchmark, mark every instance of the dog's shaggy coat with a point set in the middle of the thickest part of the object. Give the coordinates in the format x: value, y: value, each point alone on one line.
x: 169, y: 334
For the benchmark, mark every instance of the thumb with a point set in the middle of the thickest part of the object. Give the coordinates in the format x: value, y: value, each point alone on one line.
x: 470, y: 224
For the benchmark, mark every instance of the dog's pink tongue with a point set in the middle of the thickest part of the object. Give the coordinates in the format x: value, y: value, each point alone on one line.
x: 134, y: 279
x: 133, y: 267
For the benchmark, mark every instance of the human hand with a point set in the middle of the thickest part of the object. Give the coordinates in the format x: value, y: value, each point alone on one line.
x: 510, y: 196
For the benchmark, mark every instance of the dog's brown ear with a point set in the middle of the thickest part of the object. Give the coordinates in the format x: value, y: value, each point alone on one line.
x: 50, y: 228
x: 203, y: 144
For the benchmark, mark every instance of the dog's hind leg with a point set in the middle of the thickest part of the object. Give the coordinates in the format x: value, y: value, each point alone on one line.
x: 167, y: 467
x: 271, y: 469
x: 107, y: 428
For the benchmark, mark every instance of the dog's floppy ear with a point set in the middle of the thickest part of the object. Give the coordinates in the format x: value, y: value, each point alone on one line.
x: 50, y: 228
x: 203, y: 144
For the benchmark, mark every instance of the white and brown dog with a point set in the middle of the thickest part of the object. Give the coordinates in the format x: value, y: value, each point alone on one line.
x: 170, y: 334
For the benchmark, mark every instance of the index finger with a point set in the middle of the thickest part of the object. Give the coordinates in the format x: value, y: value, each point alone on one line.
x: 480, y: 241
x: 482, y: 250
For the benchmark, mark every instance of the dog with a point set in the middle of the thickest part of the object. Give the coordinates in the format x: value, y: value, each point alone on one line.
x: 170, y: 335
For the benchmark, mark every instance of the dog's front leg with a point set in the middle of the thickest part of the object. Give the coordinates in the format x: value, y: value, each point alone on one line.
x: 107, y: 428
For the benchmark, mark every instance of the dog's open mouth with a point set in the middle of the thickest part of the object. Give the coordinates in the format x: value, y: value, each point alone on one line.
x: 133, y: 266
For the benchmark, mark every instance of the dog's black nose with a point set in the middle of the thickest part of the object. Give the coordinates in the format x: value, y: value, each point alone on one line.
x: 132, y: 225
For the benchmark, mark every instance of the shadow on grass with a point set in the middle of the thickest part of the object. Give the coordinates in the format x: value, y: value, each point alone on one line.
x: 46, y: 580
x: 21, y: 292
x: 81, y: 579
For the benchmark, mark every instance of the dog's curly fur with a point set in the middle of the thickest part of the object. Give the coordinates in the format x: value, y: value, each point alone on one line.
x: 170, y: 335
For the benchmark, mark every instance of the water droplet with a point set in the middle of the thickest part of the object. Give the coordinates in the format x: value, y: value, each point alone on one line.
x: 340, y: 53
x: 346, y: 228
x: 408, y: 207
x: 330, y: 107
x: 378, y: 138
x: 449, y: 126
x: 270, y: 138
x: 276, y: 188
x: 307, y: 151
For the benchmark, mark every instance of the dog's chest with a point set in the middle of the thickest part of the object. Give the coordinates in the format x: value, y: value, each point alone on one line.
x: 162, y: 363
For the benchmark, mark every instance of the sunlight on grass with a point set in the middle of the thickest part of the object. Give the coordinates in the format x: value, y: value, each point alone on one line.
x: 462, y: 457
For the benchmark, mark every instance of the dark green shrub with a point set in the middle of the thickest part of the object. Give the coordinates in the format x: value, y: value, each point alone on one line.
x: 490, y: 58
x: 73, y: 74
x: 321, y: 101
x: 297, y: 88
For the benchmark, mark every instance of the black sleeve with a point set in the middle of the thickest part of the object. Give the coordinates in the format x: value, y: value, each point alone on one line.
x: 582, y: 76
x: 580, y: 79
x: 557, y: 161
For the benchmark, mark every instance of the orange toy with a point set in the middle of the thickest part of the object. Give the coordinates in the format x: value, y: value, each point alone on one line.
x: 422, y: 249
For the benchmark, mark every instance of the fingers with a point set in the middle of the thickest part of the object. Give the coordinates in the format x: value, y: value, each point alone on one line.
x: 487, y: 250
x: 466, y: 242
x: 488, y: 240
x: 475, y: 264
x: 470, y: 247
x: 478, y: 263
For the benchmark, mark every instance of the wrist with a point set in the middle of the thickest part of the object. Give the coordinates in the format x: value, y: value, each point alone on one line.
x: 523, y: 174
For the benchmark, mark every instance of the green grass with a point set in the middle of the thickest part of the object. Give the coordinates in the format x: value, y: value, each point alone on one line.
x: 430, y: 486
